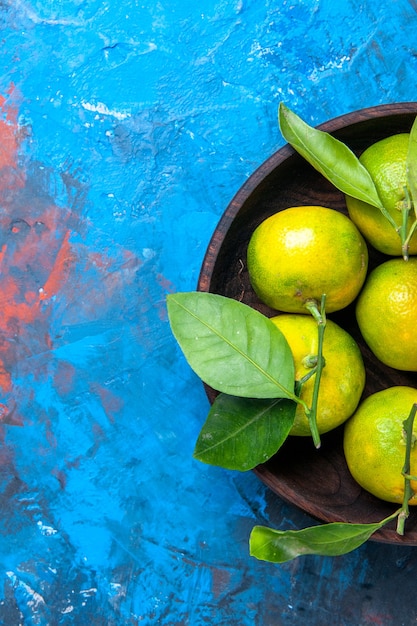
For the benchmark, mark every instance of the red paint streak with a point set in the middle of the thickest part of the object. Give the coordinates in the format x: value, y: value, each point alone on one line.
x: 112, y: 404
x: 13, y: 305
x: 379, y: 620
x: 99, y: 260
x: 165, y: 283
x: 64, y: 378
x: 8, y: 145
x: 11, y: 111
x: 60, y: 476
x: 60, y: 270
x: 37, y: 261
x: 2, y: 253
x: 74, y: 463
x: 5, y: 382
x: 9, y: 416
x: 6, y: 456
x: 49, y: 434
x: 220, y: 581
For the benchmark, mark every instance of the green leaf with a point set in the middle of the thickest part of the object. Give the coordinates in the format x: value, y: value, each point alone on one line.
x: 241, y: 433
x: 279, y: 546
x: 329, y: 156
x: 232, y: 347
x: 412, y: 165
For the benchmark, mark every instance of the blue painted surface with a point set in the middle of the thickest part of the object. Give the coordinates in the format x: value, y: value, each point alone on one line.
x: 126, y: 129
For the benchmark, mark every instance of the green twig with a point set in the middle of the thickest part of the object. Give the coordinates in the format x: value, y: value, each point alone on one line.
x: 408, y: 491
x: 405, y: 236
x: 406, y: 243
x: 320, y: 317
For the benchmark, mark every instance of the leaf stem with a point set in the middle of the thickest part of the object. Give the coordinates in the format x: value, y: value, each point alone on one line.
x: 299, y: 383
x: 320, y: 317
x: 408, y: 491
x: 391, y: 517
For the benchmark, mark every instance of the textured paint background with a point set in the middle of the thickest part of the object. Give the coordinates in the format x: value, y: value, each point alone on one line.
x: 125, y: 129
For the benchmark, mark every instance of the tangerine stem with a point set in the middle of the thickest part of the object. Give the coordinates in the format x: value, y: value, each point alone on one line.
x: 408, y: 490
x: 406, y: 244
x: 320, y: 317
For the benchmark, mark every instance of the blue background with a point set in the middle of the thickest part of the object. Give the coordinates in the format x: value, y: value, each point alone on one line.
x: 134, y: 124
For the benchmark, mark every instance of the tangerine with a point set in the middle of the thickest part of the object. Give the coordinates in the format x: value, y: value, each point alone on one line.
x: 303, y: 252
x: 374, y: 443
x: 386, y: 312
x: 386, y: 161
x: 343, y: 376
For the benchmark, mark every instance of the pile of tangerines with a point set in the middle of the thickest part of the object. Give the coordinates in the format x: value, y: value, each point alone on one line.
x: 297, y: 255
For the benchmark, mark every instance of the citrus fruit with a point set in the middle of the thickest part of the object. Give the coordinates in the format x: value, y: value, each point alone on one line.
x: 303, y: 252
x: 374, y: 443
x: 343, y: 376
x: 386, y: 312
x: 385, y: 160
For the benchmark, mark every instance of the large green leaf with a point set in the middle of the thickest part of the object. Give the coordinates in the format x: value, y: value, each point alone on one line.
x: 240, y: 433
x: 232, y: 347
x: 279, y: 546
x: 329, y: 156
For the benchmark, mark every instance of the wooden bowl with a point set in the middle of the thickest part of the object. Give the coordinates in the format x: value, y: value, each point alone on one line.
x: 318, y: 482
